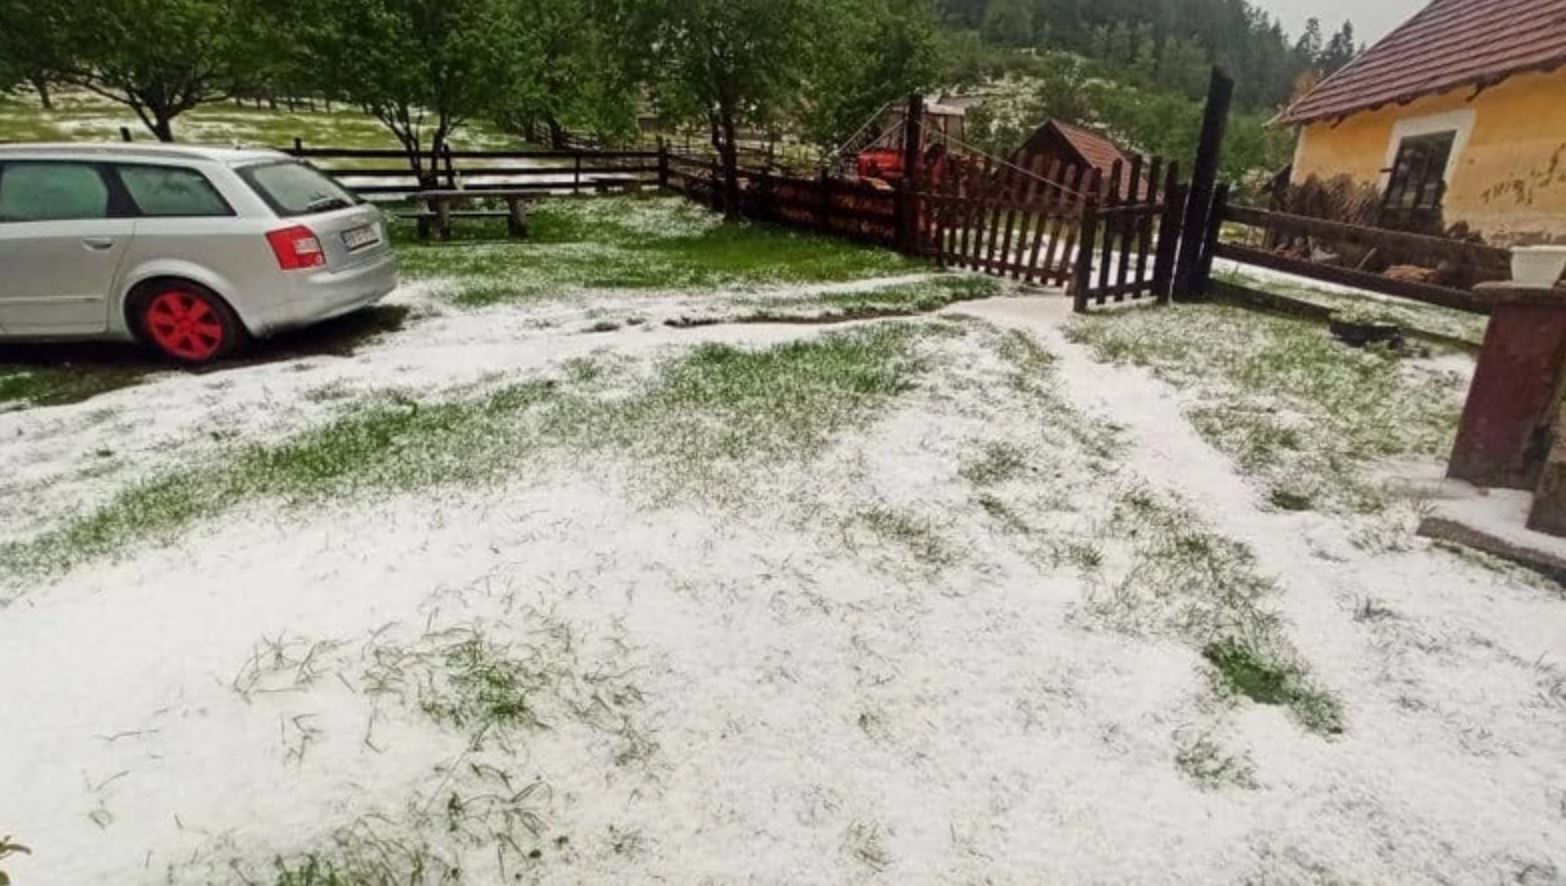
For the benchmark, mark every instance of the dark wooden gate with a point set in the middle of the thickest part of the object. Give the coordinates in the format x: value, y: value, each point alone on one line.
x: 1008, y: 220
x: 1130, y: 234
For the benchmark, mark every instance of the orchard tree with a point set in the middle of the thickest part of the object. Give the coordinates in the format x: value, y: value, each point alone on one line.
x: 876, y: 52
x: 423, y: 68
x: 34, y: 46
x: 585, y: 71
x: 160, y: 58
x: 737, y: 63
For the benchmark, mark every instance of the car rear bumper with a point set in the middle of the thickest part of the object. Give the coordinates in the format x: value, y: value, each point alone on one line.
x: 327, y: 294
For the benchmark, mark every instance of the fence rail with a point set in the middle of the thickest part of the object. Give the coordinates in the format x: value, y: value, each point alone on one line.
x: 1458, y: 260
x: 370, y: 174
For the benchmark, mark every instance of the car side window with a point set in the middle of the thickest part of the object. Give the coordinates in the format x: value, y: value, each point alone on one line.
x: 172, y: 192
x: 49, y: 191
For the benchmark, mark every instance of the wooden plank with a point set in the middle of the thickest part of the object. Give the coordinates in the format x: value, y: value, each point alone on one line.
x: 1111, y: 200
x: 1089, y: 230
x: 1065, y: 235
x: 1144, y: 233
x: 1042, y: 217
x: 982, y: 216
x: 1456, y: 299
x: 1015, y: 183
x: 1168, y: 233
x: 1417, y: 246
x: 1129, y: 226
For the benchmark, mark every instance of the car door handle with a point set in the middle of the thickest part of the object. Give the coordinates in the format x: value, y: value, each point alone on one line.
x: 98, y: 244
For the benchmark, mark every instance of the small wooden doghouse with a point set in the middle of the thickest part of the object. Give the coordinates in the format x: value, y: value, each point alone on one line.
x: 1073, y: 145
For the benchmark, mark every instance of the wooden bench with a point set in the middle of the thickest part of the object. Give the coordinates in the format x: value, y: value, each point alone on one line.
x: 439, y: 213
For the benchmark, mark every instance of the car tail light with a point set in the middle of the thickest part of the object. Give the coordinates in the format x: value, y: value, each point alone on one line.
x: 296, y: 248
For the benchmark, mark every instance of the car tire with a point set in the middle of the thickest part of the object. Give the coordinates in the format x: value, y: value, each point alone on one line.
x: 187, y: 323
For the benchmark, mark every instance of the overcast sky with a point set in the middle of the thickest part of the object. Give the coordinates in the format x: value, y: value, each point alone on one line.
x: 1372, y: 19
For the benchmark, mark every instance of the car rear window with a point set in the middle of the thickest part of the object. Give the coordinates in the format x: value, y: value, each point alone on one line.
x: 295, y: 189
x: 172, y: 192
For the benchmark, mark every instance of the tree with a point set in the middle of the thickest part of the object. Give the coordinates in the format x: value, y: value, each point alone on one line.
x: 34, y: 46
x: 586, y: 68
x: 160, y: 58
x: 423, y: 68
x: 881, y: 51
x: 1008, y: 22
x: 734, y: 63
x: 1340, y: 50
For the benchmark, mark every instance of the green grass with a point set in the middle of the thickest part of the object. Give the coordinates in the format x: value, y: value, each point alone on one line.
x: 631, y: 242
x: 24, y: 385
x: 902, y: 300
x: 1243, y: 670
x: 1209, y: 590
x: 35, y: 375
x: 695, y: 428
x: 1303, y: 412
x: 1416, y: 317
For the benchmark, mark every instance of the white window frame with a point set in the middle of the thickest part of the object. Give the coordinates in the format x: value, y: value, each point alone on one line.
x: 1460, y: 122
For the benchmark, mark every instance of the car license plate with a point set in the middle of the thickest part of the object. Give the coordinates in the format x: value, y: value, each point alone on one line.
x: 361, y: 238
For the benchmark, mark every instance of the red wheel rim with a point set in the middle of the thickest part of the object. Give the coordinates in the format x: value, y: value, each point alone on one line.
x: 185, y: 325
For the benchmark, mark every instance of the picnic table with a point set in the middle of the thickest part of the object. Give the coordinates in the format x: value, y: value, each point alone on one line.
x: 439, y: 210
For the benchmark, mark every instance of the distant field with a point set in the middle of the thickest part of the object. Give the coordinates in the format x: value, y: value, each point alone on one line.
x: 81, y: 116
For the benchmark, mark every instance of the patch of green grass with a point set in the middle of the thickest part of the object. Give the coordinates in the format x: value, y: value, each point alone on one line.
x: 23, y: 385
x: 997, y: 463
x: 1410, y: 315
x: 695, y: 428
x: 914, y: 534
x: 1292, y: 405
x: 639, y: 242
x: 1208, y: 589
x: 1263, y: 679
x: 923, y: 297
x: 1211, y: 768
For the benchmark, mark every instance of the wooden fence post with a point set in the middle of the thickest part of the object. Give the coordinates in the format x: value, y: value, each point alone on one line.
x: 913, y: 154
x: 1084, y: 268
x: 1202, y: 279
x: 576, y: 179
x: 125, y: 134
x: 824, y: 221
x: 1204, y: 180
x: 298, y: 145
x: 451, y: 165
x: 663, y: 164
x: 1168, y: 234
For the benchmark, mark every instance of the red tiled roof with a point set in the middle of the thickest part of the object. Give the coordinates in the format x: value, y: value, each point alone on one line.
x: 1101, y: 153
x: 1451, y: 43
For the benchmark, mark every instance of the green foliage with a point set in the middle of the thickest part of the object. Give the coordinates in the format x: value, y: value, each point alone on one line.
x: 35, y: 44
x: 586, y: 70
x: 423, y: 68
x: 160, y: 58
x: 875, y: 52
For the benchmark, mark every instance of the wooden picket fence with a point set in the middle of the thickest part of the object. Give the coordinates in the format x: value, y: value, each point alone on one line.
x: 1038, y: 222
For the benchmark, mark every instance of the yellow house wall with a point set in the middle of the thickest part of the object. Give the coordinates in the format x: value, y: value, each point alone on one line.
x: 1508, y: 182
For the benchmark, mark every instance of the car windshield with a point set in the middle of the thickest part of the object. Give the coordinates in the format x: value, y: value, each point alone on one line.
x: 296, y: 189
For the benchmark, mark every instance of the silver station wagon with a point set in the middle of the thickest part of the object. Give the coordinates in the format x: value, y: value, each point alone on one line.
x: 191, y: 251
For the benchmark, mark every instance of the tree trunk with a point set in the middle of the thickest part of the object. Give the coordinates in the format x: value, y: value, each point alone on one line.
x: 728, y: 150
x: 41, y: 86
x: 163, y: 127
x: 557, y: 134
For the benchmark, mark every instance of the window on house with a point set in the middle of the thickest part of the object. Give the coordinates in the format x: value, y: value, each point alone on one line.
x: 1419, y: 174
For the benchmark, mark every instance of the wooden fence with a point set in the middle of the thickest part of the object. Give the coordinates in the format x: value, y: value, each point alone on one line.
x: 1457, y: 264
x: 388, y: 174
x: 1059, y: 225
